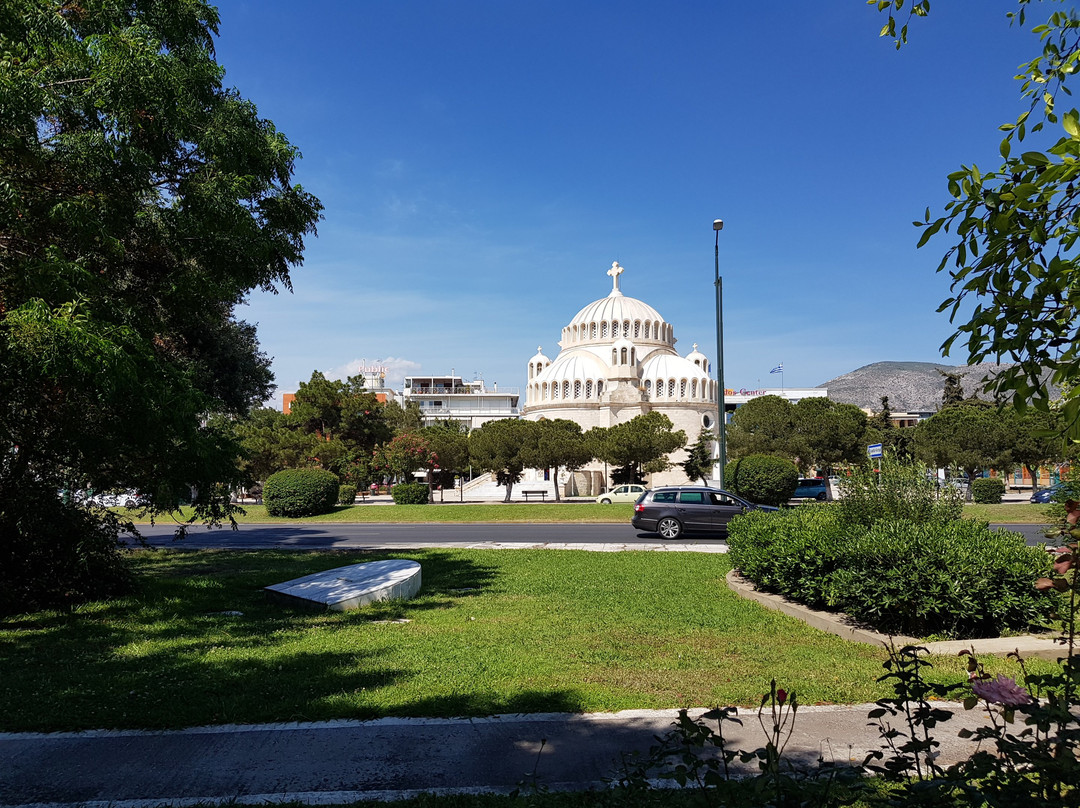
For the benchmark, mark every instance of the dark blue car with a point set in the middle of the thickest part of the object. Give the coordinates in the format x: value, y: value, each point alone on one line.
x: 1047, y: 494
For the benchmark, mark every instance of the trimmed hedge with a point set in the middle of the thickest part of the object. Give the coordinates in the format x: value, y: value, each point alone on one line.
x: 763, y: 479
x: 346, y: 494
x: 955, y: 578
x: 410, y: 494
x: 300, y: 492
x: 988, y: 490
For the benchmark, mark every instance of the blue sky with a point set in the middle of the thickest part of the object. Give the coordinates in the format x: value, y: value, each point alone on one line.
x: 482, y: 163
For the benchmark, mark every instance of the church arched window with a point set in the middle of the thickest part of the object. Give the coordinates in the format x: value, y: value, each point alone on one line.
x: 633, y: 356
x: 577, y: 388
x: 593, y: 330
x: 614, y: 356
x: 637, y: 328
x: 648, y: 386
x: 603, y: 330
x: 599, y: 387
x: 588, y: 388
x: 566, y: 389
x: 671, y: 388
x: 693, y: 388
x: 682, y: 388
x: 623, y: 356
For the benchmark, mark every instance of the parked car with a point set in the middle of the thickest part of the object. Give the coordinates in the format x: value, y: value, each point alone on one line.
x: 621, y: 493
x: 1045, y: 495
x: 812, y: 488
x: 112, y: 499
x: 676, y: 509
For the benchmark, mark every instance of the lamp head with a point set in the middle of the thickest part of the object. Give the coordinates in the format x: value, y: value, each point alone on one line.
x: 718, y: 224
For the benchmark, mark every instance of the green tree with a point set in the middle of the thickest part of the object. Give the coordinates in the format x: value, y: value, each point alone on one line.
x: 1013, y: 259
x: 403, y: 419
x: 763, y: 425
x: 639, y: 446
x: 969, y: 436
x: 449, y: 441
x: 270, y: 443
x: 559, y: 444
x: 503, y: 447
x: 954, y: 390
x: 1036, y: 439
x: 141, y: 201
x: 347, y: 420
x: 825, y: 433
x: 699, y: 460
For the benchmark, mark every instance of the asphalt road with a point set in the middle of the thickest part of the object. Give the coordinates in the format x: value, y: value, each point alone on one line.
x: 341, y: 535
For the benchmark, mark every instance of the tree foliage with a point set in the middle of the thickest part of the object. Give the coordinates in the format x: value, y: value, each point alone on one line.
x: 699, y: 460
x: 1013, y: 260
x: 640, y: 445
x: 970, y: 436
x: 140, y: 201
x: 560, y: 443
x: 504, y: 448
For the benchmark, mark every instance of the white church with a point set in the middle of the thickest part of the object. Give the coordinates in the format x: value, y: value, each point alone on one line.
x: 617, y: 360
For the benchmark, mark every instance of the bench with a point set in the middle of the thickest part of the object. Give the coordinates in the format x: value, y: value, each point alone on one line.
x: 528, y: 494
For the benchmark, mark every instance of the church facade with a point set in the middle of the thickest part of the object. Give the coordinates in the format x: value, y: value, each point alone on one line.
x: 617, y: 360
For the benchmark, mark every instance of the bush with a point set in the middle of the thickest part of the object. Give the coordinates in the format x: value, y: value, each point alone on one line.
x: 955, y: 578
x: 959, y: 579
x: 763, y: 479
x: 54, y: 554
x: 300, y: 492
x: 410, y: 494
x: 900, y: 491
x: 988, y: 490
x: 346, y: 494
x: 791, y: 552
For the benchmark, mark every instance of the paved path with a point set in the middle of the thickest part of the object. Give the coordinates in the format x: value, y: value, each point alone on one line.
x: 342, y: 761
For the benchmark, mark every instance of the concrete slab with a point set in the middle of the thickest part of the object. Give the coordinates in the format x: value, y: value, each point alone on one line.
x: 353, y: 586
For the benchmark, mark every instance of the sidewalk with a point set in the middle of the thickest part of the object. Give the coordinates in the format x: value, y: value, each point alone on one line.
x: 393, y: 758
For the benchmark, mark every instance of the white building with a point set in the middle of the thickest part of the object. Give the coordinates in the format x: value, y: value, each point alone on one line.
x: 617, y: 360
x: 470, y: 402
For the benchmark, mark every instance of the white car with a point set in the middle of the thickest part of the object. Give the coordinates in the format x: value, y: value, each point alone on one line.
x: 621, y: 493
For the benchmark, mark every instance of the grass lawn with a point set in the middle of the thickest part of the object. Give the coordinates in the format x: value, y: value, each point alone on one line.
x: 1026, y: 513
x: 491, y: 632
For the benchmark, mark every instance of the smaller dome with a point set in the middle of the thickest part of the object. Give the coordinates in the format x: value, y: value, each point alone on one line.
x: 698, y: 358
x: 577, y: 366
x: 667, y: 366
x: 539, y: 357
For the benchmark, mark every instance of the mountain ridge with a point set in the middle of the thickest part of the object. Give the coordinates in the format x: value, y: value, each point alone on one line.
x: 910, y: 386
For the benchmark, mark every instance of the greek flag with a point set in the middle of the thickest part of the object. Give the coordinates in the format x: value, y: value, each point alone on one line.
x: 778, y: 369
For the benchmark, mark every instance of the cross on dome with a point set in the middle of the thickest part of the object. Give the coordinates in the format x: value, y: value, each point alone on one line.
x: 615, y: 272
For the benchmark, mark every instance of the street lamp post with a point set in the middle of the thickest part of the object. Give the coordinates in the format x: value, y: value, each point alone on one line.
x: 717, y: 226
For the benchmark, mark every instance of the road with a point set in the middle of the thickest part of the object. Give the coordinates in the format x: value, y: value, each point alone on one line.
x: 351, y: 536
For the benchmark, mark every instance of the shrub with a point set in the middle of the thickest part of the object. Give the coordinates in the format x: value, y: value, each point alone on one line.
x: 55, y: 554
x: 791, y: 552
x: 988, y: 490
x: 300, y: 492
x: 763, y: 479
x: 900, y: 491
x: 958, y: 578
x: 955, y: 578
x: 346, y: 494
x: 410, y: 494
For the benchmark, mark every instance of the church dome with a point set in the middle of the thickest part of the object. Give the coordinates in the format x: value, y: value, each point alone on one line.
x: 617, y: 316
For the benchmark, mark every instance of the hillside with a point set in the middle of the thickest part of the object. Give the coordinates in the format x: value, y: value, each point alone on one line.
x: 910, y: 386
